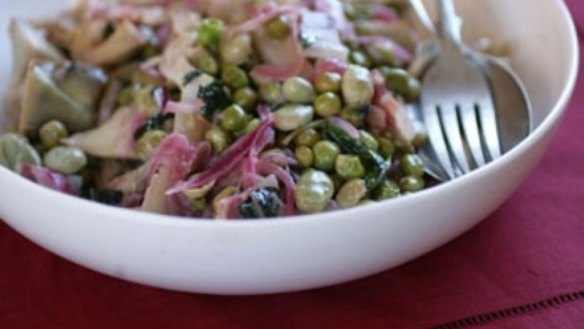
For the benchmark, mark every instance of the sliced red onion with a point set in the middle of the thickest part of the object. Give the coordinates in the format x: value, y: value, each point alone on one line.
x: 279, y: 158
x: 231, y: 160
x: 174, y: 152
x: 345, y: 125
x: 264, y: 111
x: 296, y: 59
x: 181, y: 107
x: 383, y: 13
x: 330, y: 65
x: 47, y: 178
x: 266, y: 168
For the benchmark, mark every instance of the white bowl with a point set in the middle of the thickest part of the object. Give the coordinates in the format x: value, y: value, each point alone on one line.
x: 288, y: 254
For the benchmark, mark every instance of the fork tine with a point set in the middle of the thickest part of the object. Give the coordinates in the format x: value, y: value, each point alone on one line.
x: 436, y: 137
x: 472, y: 133
x: 454, y: 137
x: 488, y: 120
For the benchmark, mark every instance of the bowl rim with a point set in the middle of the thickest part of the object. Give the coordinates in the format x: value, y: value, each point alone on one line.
x: 160, y: 219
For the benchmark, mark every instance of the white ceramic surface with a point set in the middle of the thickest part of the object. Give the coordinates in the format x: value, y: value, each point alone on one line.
x: 267, y: 256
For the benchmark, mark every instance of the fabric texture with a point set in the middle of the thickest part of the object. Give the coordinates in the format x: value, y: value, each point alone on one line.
x: 521, y: 268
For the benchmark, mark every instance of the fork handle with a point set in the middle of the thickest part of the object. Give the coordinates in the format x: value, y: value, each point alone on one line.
x: 421, y: 20
x: 449, y: 25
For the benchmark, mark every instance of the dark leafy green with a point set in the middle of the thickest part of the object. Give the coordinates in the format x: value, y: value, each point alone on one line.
x: 347, y: 143
x: 215, y: 97
x: 109, y: 197
x: 153, y: 123
x: 262, y: 203
x: 376, y: 168
x: 191, y: 76
x: 375, y: 165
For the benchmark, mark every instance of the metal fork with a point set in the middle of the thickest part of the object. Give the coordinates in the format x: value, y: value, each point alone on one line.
x: 457, y: 103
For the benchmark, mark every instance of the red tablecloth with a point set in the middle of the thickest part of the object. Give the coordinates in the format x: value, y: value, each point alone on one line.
x: 521, y: 268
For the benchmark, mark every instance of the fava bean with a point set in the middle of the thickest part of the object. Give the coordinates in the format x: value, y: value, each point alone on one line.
x: 314, y: 191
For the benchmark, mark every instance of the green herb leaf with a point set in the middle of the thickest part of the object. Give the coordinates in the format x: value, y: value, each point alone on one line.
x: 376, y: 166
x: 215, y: 98
x: 191, y: 76
x: 153, y: 123
x: 347, y: 143
x: 109, y: 197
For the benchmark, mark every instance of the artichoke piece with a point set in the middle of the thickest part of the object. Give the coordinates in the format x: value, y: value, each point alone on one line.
x: 15, y: 150
x: 114, y: 139
x: 125, y: 42
x: 28, y: 44
x: 69, y: 93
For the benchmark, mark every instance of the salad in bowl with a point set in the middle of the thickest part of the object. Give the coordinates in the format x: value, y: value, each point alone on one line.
x: 217, y: 109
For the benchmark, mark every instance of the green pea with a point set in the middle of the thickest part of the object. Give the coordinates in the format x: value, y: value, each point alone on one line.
x: 368, y: 140
x: 384, y: 54
x: 149, y: 142
x: 66, y: 160
x: 328, y: 82
x: 246, y: 98
x: 304, y: 156
x: 387, y: 190
x: 308, y: 137
x: 351, y: 193
x: 327, y: 104
x: 404, y: 146
x: 414, y: 90
x: 421, y: 136
x: 349, y: 167
x: 208, y: 64
x: 210, y: 31
x: 199, y: 205
x: 218, y: 138
x: 396, y: 80
x: 234, y: 118
x: 314, y: 191
x: 272, y: 93
x: 15, y: 149
x: 299, y: 90
x: 385, y: 70
x: 279, y: 28
x: 412, y: 165
x: 51, y: 133
x: 325, y: 154
x: 400, y: 82
x: 236, y: 50
x: 126, y: 96
x: 411, y: 183
x: 234, y: 77
x: 359, y: 58
x: 252, y: 126
x: 386, y: 147
x: 353, y: 116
